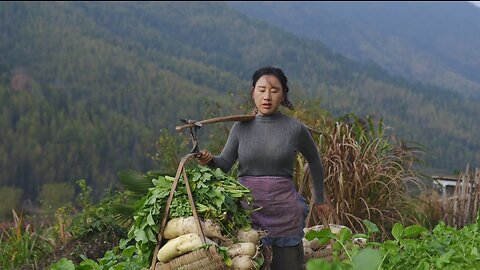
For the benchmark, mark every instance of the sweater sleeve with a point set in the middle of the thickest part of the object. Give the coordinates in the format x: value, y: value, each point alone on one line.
x: 309, y: 150
x: 229, y: 154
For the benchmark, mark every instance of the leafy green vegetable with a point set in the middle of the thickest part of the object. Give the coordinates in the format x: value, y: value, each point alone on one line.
x: 413, y: 247
x: 216, y: 196
x: 63, y: 264
x: 366, y: 259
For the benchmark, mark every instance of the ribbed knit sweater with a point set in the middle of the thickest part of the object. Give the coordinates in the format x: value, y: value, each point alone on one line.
x: 267, y: 146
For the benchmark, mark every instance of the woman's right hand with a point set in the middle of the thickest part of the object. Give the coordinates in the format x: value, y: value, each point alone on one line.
x: 204, y: 157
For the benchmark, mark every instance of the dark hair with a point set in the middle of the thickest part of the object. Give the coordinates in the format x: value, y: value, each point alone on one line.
x: 278, y: 73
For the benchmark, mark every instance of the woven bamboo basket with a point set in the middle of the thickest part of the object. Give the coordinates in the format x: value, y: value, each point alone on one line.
x: 200, y: 259
x: 313, y: 221
x: 325, y: 253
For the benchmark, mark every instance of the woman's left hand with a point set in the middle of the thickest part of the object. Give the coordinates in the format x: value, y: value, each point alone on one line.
x: 322, y: 210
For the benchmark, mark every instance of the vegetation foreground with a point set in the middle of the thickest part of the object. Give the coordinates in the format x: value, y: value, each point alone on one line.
x: 398, y: 231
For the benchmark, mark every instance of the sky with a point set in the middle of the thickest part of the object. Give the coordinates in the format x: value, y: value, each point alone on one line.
x: 477, y: 3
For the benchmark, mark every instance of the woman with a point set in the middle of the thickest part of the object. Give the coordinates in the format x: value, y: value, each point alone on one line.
x: 265, y: 148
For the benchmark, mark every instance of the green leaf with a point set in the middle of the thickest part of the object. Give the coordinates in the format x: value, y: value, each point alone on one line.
x: 196, y: 177
x: 89, y: 264
x: 123, y: 243
x: 134, y: 181
x: 367, y: 259
x: 141, y: 236
x: 207, y: 176
x: 151, y: 236
x: 390, y: 246
x: 422, y: 266
x: 228, y: 262
x: 371, y: 227
x: 63, y: 264
x: 150, y: 220
x: 320, y: 235
x: 397, y: 231
x: 413, y: 230
x: 344, y: 235
x: 129, y: 251
x: 359, y: 235
x: 318, y: 264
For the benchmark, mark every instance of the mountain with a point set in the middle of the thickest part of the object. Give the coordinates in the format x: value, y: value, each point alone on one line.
x: 433, y: 42
x: 86, y: 87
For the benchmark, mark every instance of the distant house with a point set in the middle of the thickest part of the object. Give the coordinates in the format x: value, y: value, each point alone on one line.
x: 445, y: 185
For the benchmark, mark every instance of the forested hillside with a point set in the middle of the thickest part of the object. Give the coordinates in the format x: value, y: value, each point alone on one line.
x: 86, y: 87
x: 434, y: 42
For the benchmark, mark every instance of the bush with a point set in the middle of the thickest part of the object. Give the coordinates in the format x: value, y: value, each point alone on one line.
x: 56, y: 195
x: 9, y: 199
x: 22, y: 244
x: 366, y: 174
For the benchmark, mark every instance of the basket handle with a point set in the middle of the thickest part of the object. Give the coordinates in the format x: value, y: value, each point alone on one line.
x: 194, y: 209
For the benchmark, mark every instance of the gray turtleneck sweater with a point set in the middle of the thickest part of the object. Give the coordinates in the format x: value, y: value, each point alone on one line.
x: 267, y: 145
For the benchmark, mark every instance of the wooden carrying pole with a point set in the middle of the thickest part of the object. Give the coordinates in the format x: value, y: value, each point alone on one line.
x: 240, y: 118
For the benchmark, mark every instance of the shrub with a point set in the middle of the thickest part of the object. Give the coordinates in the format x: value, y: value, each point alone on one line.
x: 366, y: 174
x: 55, y: 195
x: 10, y: 198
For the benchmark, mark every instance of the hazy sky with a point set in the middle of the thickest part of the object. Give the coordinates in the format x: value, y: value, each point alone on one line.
x: 477, y: 3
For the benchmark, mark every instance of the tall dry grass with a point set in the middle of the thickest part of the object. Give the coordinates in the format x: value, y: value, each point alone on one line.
x: 366, y: 175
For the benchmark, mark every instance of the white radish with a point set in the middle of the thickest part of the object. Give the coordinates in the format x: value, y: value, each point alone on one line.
x: 360, y: 241
x: 337, y: 228
x: 305, y: 242
x: 252, y: 236
x: 180, y: 226
x: 313, y: 244
x: 227, y: 242
x: 334, y: 228
x: 243, y: 262
x: 308, y: 252
x: 246, y: 248
x: 179, y: 246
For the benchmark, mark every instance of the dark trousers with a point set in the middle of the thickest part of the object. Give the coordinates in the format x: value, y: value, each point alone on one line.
x: 288, y: 258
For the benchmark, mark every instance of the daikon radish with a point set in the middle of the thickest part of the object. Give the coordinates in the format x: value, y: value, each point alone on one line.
x: 313, y: 244
x: 252, y: 236
x: 246, y: 248
x: 360, y: 241
x: 335, y: 228
x: 243, y: 262
x: 227, y: 242
x: 308, y: 252
x: 179, y: 246
x: 305, y: 243
x: 180, y: 226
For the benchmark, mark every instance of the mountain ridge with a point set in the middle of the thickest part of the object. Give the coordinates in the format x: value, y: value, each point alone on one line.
x: 430, y: 42
x: 108, y: 77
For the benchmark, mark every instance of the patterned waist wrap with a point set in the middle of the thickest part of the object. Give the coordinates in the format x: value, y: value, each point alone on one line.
x: 283, y: 211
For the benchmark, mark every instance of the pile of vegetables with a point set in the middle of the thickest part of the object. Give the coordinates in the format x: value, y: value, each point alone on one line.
x: 218, y: 202
x: 245, y: 253
x: 217, y: 199
x: 239, y: 252
x: 313, y: 245
x: 184, y: 237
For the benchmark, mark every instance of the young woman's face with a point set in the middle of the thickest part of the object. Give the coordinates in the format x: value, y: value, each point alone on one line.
x: 267, y: 94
